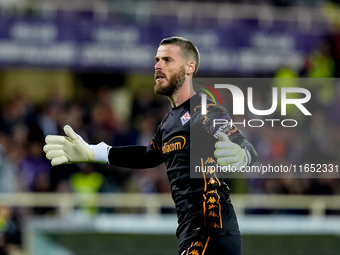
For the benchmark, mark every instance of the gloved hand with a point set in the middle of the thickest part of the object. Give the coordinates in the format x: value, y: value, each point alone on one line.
x: 229, y: 153
x: 73, y: 149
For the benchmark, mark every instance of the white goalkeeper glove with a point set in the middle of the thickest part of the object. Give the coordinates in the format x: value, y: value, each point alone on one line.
x: 73, y: 149
x: 229, y: 153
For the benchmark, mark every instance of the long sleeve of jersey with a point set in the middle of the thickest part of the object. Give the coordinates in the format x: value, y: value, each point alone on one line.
x: 136, y: 156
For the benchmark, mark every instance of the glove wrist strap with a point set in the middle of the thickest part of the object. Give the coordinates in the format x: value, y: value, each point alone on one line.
x: 101, y: 152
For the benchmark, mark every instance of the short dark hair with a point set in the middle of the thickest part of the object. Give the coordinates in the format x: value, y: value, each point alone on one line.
x: 188, y: 49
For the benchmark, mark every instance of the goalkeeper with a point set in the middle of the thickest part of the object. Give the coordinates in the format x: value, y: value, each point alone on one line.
x: 207, y: 222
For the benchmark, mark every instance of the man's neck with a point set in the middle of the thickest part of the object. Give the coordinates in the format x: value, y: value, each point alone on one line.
x: 181, y: 95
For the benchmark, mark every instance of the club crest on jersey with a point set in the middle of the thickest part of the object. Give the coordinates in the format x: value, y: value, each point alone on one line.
x: 185, y: 118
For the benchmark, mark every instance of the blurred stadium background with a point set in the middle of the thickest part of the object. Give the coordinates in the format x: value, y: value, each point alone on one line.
x: 89, y: 64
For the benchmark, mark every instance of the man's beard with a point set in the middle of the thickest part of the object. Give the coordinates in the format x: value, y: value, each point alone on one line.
x: 176, y: 81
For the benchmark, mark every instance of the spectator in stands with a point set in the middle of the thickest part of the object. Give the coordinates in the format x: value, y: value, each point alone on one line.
x: 88, y: 183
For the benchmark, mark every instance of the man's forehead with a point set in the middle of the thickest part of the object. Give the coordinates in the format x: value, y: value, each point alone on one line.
x: 168, y: 50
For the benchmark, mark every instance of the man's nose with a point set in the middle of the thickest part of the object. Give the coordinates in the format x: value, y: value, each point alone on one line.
x: 158, y: 66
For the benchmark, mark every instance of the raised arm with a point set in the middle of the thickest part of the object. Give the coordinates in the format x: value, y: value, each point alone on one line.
x: 232, y: 148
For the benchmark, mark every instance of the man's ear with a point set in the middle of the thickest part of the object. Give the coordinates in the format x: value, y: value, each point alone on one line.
x: 190, y: 67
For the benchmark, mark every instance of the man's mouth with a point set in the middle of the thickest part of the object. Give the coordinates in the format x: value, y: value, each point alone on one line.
x: 159, y: 76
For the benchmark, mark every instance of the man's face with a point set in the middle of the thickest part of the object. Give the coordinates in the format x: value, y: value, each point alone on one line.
x: 169, y: 70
